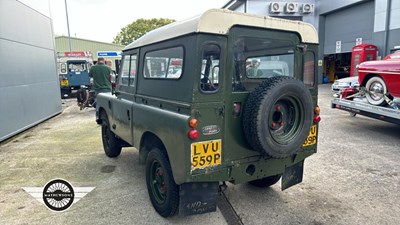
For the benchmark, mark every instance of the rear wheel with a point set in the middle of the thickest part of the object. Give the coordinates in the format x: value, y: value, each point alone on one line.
x: 112, y: 144
x: 163, y: 191
x: 376, y: 89
x: 266, y: 181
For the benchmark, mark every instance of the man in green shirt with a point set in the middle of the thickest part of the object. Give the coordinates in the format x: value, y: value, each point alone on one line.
x: 101, y: 79
x: 101, y: 76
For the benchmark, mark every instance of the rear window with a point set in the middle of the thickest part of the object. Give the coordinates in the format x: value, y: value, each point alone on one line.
x: 269, y: 66
x: 77, y: 66
x: 261, y: 58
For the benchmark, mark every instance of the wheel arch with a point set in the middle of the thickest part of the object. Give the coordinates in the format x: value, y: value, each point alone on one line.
x: 102, y: 111
x: 369, y: 76
x: 148, y: 141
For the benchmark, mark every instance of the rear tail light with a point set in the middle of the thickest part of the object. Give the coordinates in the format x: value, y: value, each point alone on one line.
x: 193, y: 133
x: 316, y: 117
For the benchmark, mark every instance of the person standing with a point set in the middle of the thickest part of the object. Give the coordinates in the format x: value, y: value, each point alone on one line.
x: 113, y: 76
x: 101, y: 77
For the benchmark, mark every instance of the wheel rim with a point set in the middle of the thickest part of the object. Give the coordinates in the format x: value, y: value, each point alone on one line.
x: 376, y: 91
x: 157, y: 182
x: 285, y: 118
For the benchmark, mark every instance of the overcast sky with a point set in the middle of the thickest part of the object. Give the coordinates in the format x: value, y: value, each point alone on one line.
x: 101, y: 20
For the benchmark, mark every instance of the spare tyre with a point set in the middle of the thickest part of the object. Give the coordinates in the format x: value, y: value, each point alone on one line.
x: 277, y: 116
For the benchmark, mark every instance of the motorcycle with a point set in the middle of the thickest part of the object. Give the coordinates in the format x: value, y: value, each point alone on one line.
x: 86, y: 96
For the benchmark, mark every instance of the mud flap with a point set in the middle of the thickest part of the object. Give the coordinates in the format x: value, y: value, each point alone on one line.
x: 293, y: 175
x: 198, y: 198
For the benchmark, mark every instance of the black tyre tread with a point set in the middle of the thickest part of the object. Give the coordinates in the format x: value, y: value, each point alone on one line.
x: 251, y: 117
x: 266, y: 181
x: 171, y: 205
x: 115, y: 144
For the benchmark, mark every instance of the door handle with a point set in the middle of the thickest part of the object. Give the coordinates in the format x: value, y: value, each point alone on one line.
x: 221, y: 111
x: 128, y: 114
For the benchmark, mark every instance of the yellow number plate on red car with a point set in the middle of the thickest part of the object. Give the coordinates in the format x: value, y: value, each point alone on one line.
x: 312, y: 136
x: 206, y: 153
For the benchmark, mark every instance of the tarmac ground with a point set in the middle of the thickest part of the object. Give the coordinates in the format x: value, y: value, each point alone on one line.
x: 354, y: 178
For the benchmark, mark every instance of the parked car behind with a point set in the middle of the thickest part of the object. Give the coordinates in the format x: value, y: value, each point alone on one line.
x: 340, y: 84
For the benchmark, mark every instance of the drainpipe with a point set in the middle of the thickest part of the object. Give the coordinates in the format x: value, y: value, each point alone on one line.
x: 387, y: 27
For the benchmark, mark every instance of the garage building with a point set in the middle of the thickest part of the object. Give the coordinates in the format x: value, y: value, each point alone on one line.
x: 107, y: 50
x: 341, y: 24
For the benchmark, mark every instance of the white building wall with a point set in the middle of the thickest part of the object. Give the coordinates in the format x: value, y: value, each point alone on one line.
x: 29, y: 86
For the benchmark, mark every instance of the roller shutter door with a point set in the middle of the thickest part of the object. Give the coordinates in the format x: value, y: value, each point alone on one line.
x: 347, y: 24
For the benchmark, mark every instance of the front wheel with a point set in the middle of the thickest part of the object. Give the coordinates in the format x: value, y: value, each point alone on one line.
x: 376, y: 89
x: 163, y: 191
x: 111, y: 143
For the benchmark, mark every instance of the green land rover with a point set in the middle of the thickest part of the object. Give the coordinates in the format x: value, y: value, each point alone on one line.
x: 220, y: 97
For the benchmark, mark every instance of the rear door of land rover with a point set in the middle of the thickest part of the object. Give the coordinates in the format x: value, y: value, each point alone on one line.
x: 266, y: 47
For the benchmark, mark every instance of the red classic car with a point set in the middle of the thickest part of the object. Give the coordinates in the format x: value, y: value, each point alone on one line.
x: 381, y: 77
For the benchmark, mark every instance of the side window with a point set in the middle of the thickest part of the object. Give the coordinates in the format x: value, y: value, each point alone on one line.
x: 209, y: 76
x: 164, y: 64
x: 308, y: 71
x: 128, y: 71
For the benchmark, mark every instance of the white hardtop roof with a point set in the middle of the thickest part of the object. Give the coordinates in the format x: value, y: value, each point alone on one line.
x: 219, y: 21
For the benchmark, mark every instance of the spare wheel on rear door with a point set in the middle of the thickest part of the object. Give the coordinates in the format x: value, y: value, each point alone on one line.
x: 277, y: 116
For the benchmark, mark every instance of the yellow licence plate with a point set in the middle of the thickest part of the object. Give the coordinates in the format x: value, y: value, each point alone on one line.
x: 206, y: 153
x: 64, y: 83
x: 312, y: 136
